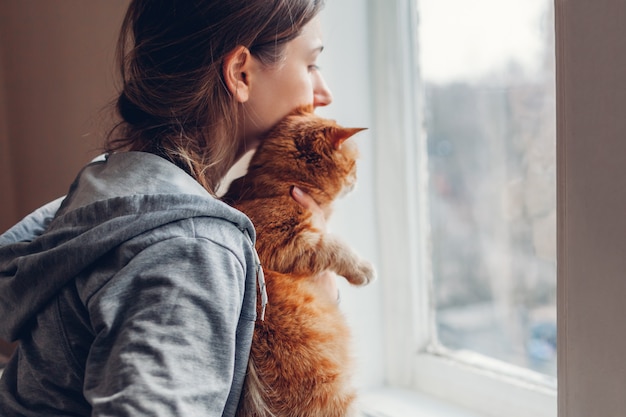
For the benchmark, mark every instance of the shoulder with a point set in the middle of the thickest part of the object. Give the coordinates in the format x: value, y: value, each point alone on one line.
x: 209, y: 236
x: 192, y: 263
x: 173, y: 241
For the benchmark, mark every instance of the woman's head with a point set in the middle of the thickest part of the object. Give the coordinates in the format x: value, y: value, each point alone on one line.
x: 175, y: 99
x: 268, y: 93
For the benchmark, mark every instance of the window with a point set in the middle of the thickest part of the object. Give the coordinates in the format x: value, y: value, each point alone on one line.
x: 487, y: 73
x: 465, y: 117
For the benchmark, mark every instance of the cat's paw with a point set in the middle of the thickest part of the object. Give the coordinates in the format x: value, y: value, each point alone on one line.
x: 363, y: 274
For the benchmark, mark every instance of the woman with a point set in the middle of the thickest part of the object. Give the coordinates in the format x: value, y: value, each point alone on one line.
x: 137, y: 294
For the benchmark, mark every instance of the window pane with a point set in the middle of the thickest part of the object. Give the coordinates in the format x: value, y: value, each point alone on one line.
x: 488, y: 73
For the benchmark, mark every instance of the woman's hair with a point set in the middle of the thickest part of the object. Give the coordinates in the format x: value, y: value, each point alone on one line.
x: 174, y: 101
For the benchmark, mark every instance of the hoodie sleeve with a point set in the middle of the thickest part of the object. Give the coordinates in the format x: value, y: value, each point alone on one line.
x: 32, y: 225
x: 166, y: 330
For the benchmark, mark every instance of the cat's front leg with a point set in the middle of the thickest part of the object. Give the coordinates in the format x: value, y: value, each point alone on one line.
x: 344, y: 261
x: 359, y: 273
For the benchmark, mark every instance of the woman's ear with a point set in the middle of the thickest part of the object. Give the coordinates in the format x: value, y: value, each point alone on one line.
x: 236, y: 69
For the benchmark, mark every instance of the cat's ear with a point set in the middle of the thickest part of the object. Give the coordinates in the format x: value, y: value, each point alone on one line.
x: 341, y: 134
x: 236, y: 69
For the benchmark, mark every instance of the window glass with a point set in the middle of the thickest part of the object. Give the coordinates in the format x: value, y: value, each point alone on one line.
x: 487, y: 68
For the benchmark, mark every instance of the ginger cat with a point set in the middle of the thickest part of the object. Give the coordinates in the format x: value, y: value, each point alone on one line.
x: 300, y: 362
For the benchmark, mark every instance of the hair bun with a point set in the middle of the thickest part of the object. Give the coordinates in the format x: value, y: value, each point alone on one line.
x: 130, y: 112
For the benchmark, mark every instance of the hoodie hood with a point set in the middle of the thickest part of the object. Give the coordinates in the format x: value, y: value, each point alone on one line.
x: 111, y: 202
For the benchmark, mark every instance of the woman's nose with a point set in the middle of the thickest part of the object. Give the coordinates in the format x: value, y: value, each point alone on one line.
x: 321, y: 93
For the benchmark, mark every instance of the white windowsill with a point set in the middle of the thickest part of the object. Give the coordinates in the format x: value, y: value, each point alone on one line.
x: 392, y: 402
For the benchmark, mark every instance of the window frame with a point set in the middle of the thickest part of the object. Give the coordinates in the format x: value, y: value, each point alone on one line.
x: 472, y: 381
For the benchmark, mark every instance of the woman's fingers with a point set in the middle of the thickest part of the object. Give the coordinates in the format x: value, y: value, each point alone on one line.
x: 307, y: 202
x: 326, y: 280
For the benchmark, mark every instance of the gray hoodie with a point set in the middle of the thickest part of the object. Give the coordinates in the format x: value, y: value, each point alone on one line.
x: 137, y: 298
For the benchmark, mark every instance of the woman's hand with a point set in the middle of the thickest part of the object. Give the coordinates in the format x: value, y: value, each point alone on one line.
x: 326, y: 281
x: 307, y: 202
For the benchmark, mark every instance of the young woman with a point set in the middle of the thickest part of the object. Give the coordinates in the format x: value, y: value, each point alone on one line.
x: 136, y: 294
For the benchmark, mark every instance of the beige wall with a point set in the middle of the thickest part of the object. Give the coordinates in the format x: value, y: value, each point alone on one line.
x: 56, y: 79
x: 7, y: 191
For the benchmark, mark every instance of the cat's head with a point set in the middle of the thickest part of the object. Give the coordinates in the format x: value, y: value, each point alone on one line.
x: 310, y: 152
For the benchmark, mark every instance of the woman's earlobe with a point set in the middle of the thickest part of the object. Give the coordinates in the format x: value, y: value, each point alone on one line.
x: 236, y: 69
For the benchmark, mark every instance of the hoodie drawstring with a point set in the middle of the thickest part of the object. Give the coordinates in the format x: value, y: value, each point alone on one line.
x: 260, y: 276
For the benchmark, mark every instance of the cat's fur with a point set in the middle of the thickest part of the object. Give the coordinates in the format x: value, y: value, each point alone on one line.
x: 300, y: 362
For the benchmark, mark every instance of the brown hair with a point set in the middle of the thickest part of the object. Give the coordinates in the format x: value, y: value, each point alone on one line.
x: 174, y: 101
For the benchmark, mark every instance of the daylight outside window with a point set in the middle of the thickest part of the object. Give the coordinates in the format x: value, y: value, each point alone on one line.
x: 487, y: 70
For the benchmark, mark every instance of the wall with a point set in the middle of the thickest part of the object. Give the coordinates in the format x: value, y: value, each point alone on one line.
x: 591, y: 88
x: 345, y: 64
x: 7, y: 190
x: 56, y: 80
